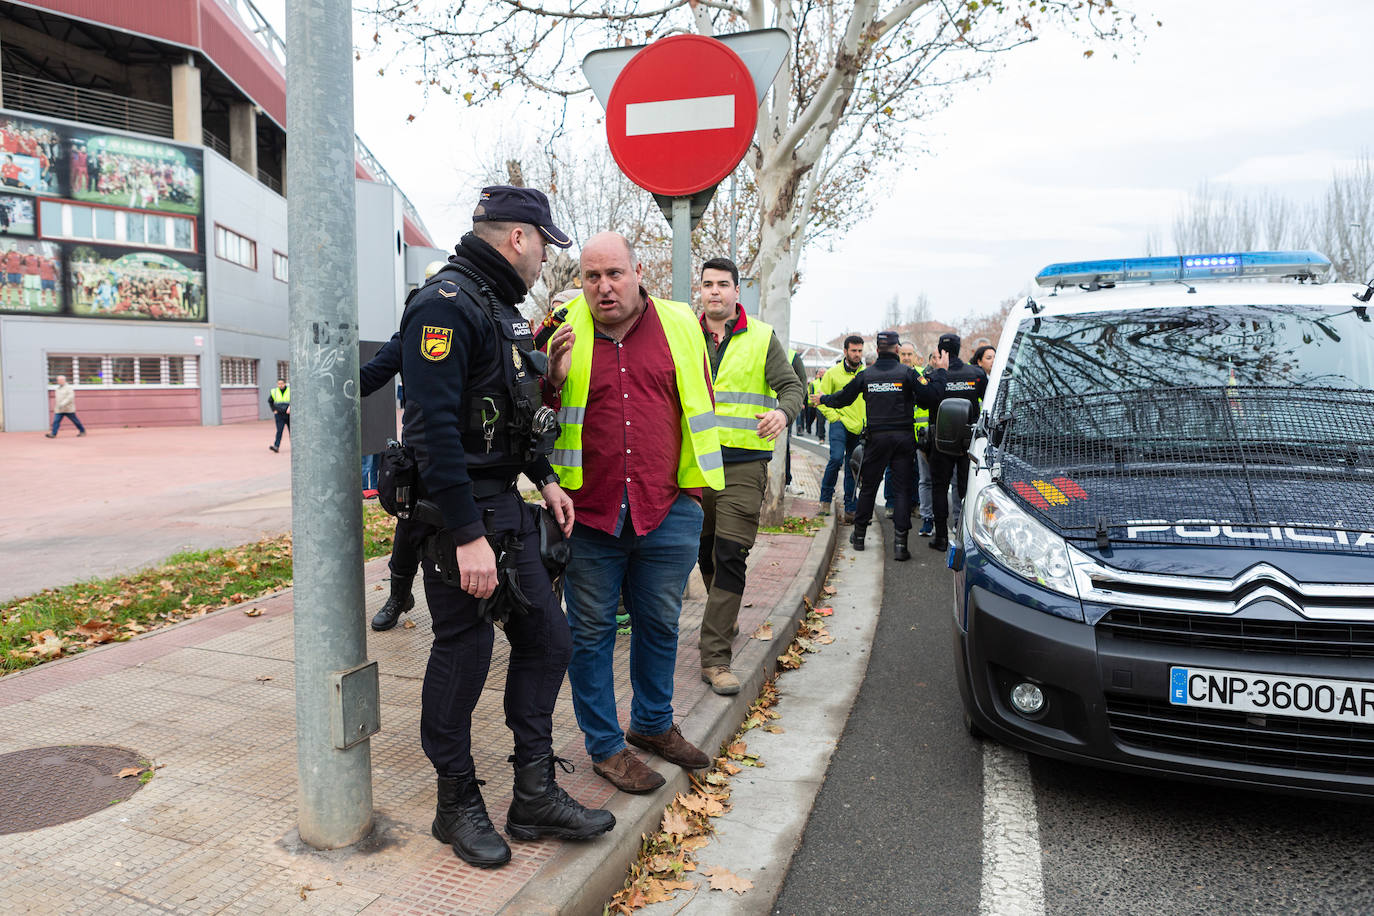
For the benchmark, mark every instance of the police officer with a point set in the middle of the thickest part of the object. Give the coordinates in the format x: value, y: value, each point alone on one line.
x: 892, y: 392
x: 472, y: 416
x: 961, y: 381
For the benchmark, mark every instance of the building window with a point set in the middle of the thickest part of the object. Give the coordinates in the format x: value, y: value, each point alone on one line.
x: 125, y: 371
x: 238, y: 372
x: 236, y: 248
x: 284, y: 371
x: 124, y: 227
x: 279, y: 266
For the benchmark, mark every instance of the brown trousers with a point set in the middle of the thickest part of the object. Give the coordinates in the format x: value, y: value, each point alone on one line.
x: 727, y: 534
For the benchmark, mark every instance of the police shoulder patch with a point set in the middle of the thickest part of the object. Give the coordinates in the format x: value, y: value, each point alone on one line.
x: 435, y: 342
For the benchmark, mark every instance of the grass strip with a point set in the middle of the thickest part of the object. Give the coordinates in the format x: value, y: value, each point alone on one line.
x: 796, y: 524
x: 65, y: 621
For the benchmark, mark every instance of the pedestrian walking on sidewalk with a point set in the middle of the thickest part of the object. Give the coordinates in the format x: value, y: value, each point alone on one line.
x: 891, y: 393
x: 474, y: 422
x: 845, y: 426
x: 279, y: 398
x: 64, y: 406
x: 758, y: 393
x: 637, y: 445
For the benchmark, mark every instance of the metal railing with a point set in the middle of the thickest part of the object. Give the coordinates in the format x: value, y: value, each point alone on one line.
x: 215, y: 143
x: 260, y: 29
x: 88, y: 106
x: 269, y: 180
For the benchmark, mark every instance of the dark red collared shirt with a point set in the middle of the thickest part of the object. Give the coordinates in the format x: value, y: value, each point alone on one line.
x: 632, y: 431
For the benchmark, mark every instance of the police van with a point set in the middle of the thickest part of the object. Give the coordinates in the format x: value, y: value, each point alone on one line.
x: 1165, y: 563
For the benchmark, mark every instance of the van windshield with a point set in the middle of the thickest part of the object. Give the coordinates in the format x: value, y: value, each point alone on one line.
x: 1247, y: 346
x: 1261, y: 414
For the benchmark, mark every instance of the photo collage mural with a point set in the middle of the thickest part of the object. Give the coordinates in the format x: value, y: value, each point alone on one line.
x: 97, y: 224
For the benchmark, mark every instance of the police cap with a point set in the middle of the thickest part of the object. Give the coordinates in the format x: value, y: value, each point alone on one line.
x: 507, y: 204
x: 888, y: 339
x: 950, y: 343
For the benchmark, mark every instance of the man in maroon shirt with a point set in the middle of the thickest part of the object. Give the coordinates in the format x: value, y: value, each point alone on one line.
x: 637, y: 522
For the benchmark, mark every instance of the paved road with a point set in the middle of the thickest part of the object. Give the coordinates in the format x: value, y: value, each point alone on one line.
x: 898, y: 826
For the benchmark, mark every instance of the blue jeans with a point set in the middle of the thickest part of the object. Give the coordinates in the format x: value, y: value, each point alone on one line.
x: 653, y: 569
x: 842, y: 443
x: 57, y: 421
x: 370, y: 468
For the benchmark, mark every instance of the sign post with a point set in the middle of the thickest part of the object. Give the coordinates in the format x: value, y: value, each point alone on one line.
x: 680, y: 115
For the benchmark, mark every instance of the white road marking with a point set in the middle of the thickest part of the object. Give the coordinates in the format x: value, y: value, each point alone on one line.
x: 710, y: 112
x: 1012, y: 880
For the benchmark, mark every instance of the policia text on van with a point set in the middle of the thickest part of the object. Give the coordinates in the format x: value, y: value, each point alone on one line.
x: 1162, y: 566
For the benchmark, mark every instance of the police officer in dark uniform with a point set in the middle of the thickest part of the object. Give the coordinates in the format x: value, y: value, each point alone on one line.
x: 961, y: 381
x: 891, y: 393
x: 474, y: 419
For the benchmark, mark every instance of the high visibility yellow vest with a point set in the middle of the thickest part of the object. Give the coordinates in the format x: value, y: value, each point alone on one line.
x: 699, y: 462
x: 281, y: 395
x: 855, y: 415
x: 922, y: 413
x: 742, y: 388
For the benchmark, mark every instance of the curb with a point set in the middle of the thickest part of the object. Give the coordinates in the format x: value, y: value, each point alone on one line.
x: 579, y: 878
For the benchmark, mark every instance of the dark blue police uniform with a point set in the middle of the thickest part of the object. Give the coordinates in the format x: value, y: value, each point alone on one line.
x: 471, y: 386
x: 961, y: 381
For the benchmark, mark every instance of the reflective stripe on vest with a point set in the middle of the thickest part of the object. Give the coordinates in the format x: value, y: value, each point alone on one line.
x: 742, y: 389
x: 699, y: 461
x: 281, y: 395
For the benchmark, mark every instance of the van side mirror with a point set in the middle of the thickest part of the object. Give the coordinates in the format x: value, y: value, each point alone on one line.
x: 953, y: 428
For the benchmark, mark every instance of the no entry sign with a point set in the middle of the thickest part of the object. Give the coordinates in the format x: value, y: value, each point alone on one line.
x: 681, y: 115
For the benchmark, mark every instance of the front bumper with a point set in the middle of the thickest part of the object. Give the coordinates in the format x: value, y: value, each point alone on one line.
x: 1108, y: 698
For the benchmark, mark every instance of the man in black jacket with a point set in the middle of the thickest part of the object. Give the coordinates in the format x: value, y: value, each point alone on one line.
x: 891, y: 393
x: 472, y: 417
x: 962, y: 381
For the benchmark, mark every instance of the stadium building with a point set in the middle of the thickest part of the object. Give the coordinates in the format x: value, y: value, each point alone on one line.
x: 143, y: 218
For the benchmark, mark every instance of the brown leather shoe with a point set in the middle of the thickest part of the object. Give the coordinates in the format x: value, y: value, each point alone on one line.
x: 672, y: 747
x: 628, y: 773
x: 721, y: 679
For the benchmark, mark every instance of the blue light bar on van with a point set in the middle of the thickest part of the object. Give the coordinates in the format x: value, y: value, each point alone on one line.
x: 1303, y: 264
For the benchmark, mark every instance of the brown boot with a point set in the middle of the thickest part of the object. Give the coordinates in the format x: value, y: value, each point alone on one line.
x: 672, y: 747
x: 628, y: 773
x: 721, y: 679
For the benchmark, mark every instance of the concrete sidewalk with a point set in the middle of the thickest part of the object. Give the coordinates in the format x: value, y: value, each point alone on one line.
x: 211, y: 701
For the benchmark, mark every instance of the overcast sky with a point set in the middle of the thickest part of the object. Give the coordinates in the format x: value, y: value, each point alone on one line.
x: 1055, y: 157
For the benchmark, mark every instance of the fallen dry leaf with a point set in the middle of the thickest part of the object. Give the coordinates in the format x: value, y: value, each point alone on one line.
x: 129, y: 771
x: 763, y: 633
x: 655, y: 892
x: 730, y: 768
x: 675, y: 822
x: 693, y: 843
x: 257, y: 612
x: 773, y: 729
x: 825, y: 611
x: 828, y: 590
x: 408, y: 625
x: 722, y: 879
x: 264, y: 677
x: 738, y: 748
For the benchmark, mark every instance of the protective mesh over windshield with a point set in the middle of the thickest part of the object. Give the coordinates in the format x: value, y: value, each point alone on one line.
x: 1183, y: 465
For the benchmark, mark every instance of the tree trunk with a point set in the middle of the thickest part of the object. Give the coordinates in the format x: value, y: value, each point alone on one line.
x: 776, y: 265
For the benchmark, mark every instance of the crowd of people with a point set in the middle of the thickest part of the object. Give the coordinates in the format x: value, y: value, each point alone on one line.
x: 152, y: 292
x: 140, y: 182
x: 667, y: 417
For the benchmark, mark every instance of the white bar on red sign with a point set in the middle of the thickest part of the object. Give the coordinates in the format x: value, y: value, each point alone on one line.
x: 711, y: 112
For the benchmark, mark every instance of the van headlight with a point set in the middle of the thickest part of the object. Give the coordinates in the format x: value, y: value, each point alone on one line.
x: 1017, y: 541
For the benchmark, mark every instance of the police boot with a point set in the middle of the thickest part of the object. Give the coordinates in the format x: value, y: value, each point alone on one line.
x: 401, y: 600
x: 899, y: 551
x: 941, y: 539
x: 540, y: 808
x: 856, y: 537
x: 461, y: 821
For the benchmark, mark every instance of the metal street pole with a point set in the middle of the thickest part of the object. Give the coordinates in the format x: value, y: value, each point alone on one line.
x: 332, y: 683
x: 682, y: 249
x: 734, y: 218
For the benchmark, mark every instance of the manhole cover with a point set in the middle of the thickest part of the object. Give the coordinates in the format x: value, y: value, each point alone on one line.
x: 52, y: 785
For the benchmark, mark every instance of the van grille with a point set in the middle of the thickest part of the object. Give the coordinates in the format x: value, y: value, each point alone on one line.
x: 1313, y: 745
x: 1239, y: 634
